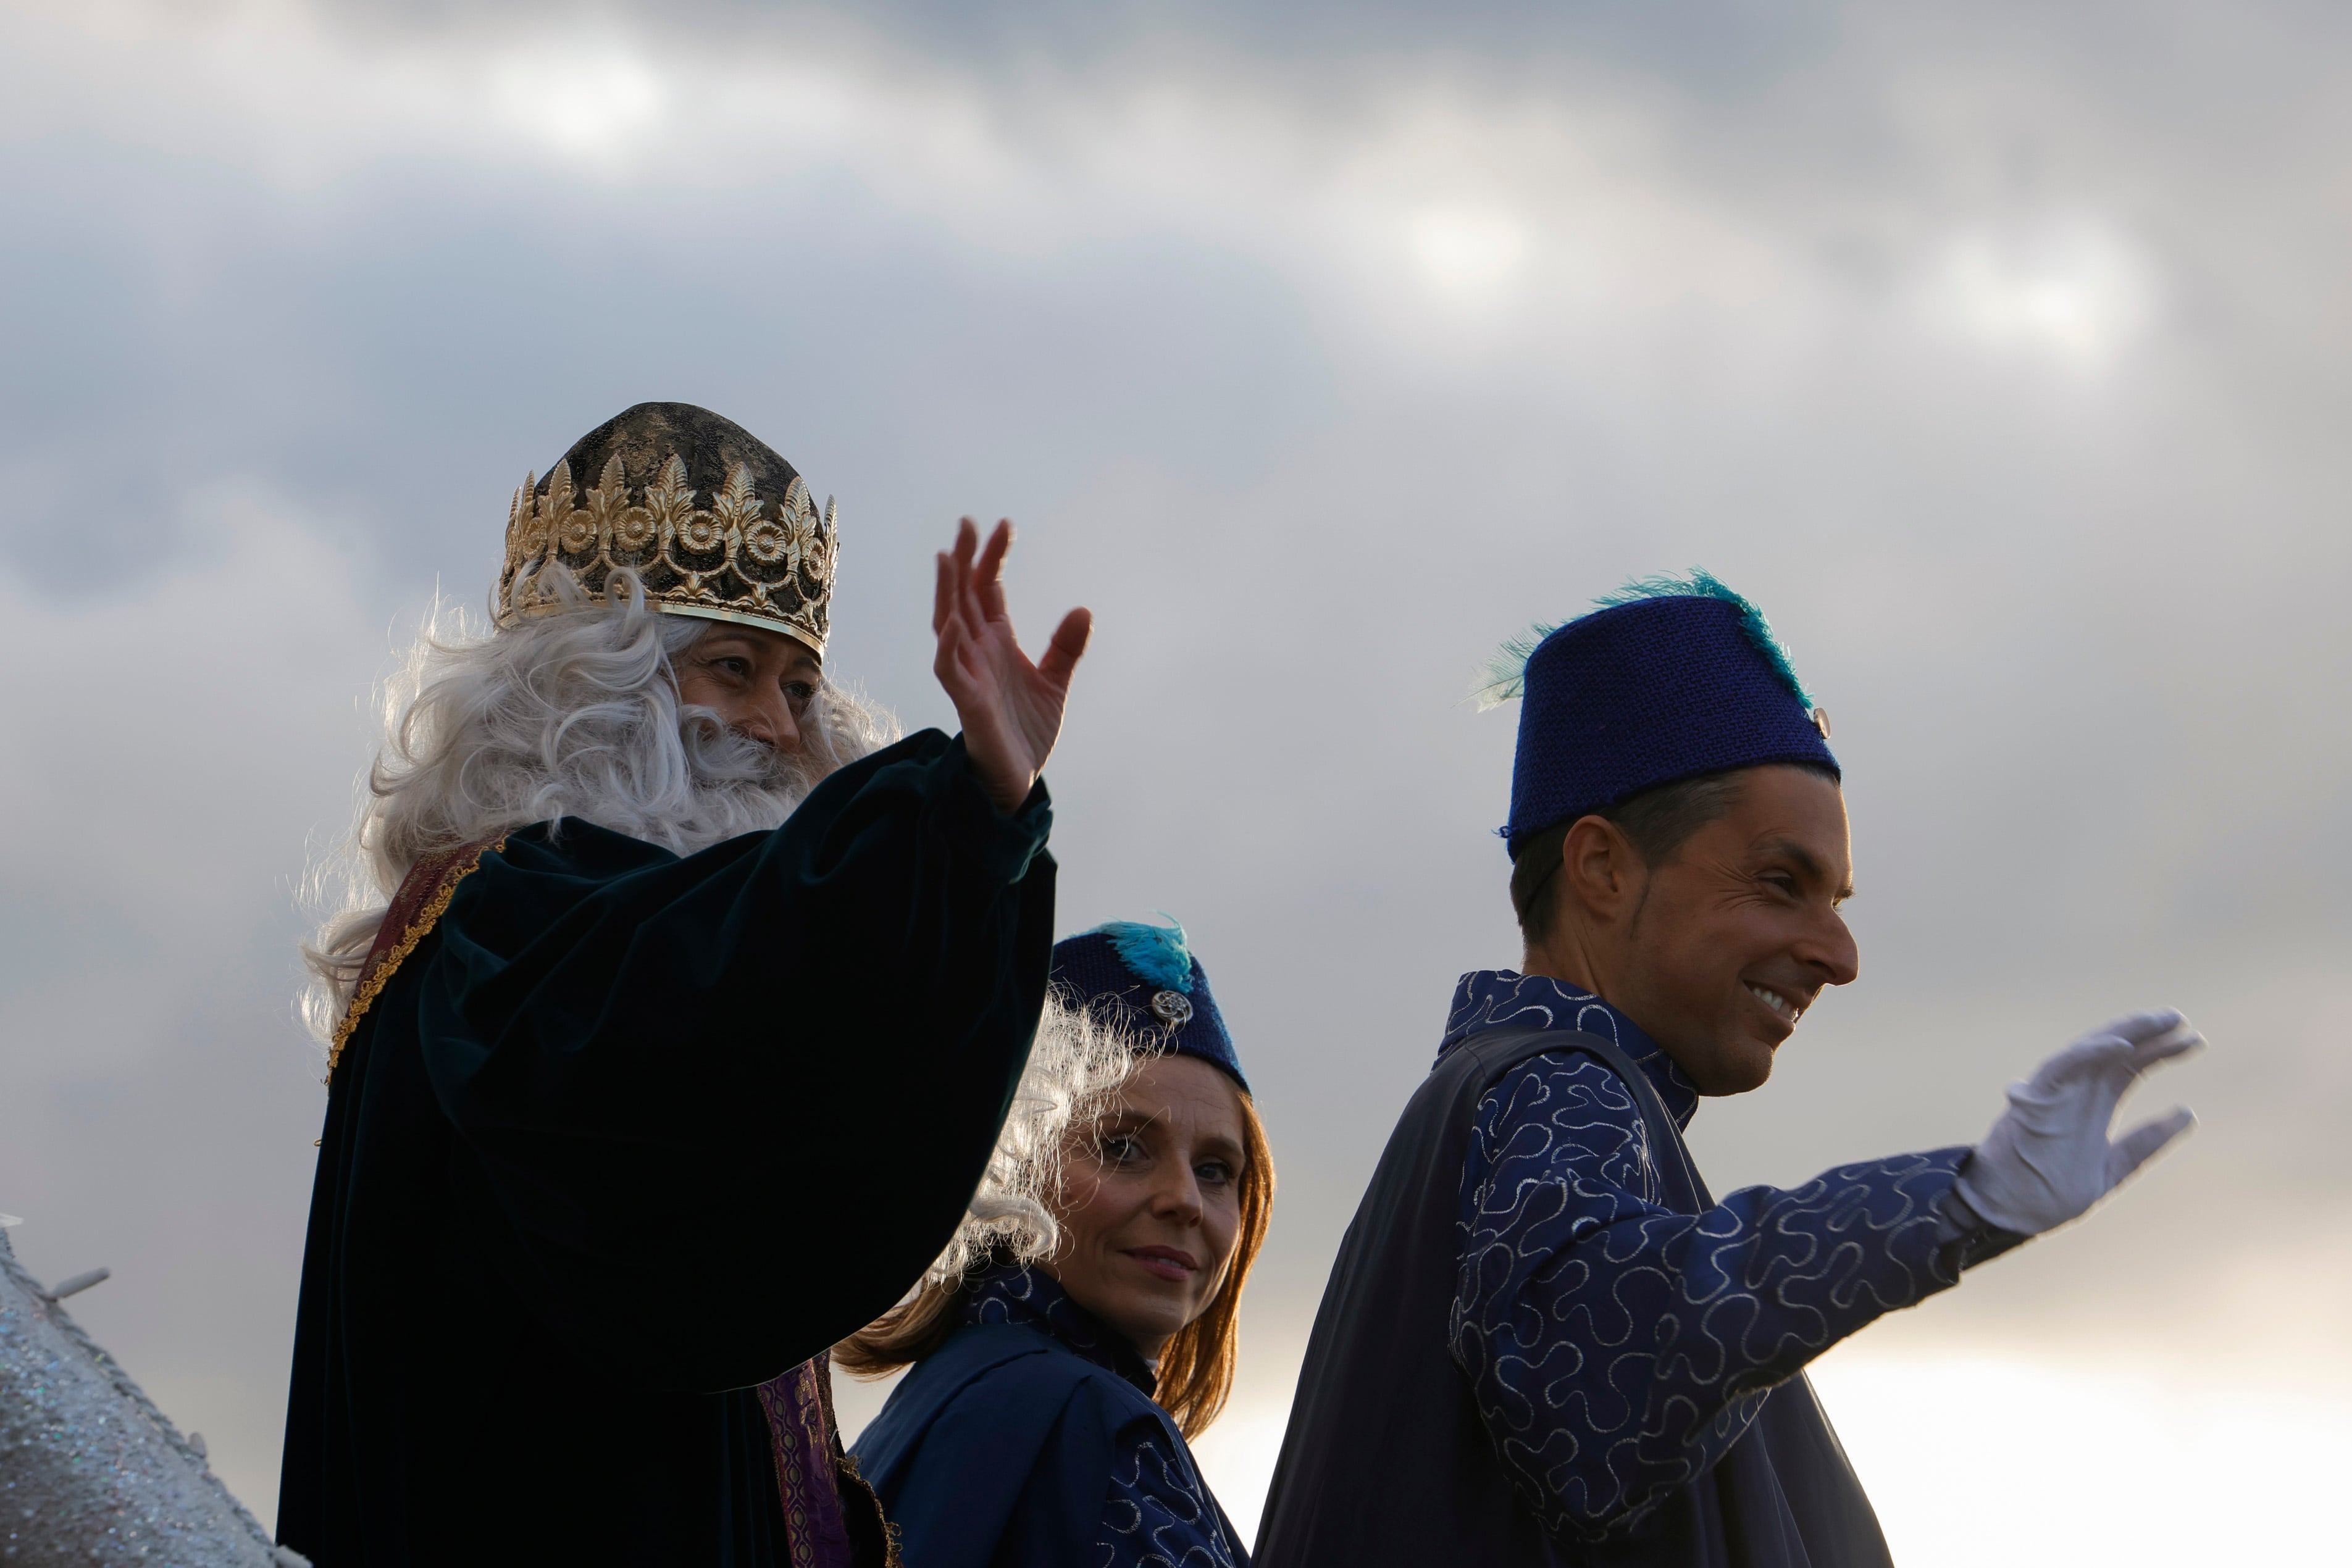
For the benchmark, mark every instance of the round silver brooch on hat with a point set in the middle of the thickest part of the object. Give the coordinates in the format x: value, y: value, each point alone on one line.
x: 1173, y: 1008
x: 1822, y: 721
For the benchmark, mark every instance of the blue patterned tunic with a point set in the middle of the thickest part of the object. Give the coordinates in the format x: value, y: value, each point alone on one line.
x: 1616, y: 1349
x: 1158, y: 1514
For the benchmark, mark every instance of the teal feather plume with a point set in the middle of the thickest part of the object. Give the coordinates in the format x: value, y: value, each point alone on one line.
x: 1158, y: 955
x: 1504, y: 676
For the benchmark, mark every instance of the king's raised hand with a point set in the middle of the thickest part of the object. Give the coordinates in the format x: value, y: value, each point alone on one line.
x: 1010, y: 708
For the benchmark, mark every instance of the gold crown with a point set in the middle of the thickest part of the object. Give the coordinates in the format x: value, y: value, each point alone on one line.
x: 762, y: 560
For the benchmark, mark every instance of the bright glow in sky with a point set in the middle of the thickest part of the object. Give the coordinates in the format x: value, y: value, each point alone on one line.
x: 2078, y: 291
x: 1468, y: 252
x: 591, y: 106
x: 2043, y: 1465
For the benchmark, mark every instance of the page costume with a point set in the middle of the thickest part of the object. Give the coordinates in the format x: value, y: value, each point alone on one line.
x: 600, y: 1174
x: 1030, y: 1437
x: 1544, y: 1342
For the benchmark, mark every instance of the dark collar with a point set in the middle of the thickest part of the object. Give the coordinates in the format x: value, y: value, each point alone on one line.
x: 1029, y: 1298
x: 1496, y: 999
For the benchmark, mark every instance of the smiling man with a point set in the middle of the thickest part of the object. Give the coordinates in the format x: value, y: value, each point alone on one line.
x: 648, y: 917
x: 1544, y: 1342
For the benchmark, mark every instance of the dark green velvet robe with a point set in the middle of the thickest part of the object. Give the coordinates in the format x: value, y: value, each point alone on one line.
x: 628, y: 1135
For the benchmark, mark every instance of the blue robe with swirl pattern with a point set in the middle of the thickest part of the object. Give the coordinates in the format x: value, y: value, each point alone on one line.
x: 1621, y: 1378
x: 1678, y: 1324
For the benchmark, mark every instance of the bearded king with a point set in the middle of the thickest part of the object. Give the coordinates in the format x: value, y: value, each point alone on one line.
x: 670, y: 1029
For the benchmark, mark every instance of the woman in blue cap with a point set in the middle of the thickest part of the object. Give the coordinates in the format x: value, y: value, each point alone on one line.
x: 1081, y: 1326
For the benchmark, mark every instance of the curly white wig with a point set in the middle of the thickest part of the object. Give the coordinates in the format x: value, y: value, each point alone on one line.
x: 1081, y: 1060
x: 573, y: 715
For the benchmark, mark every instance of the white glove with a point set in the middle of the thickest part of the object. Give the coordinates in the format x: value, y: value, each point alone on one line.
x: 2048, y: 1159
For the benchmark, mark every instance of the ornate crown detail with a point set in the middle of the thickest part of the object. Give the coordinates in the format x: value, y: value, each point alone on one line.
x: 765, y: 561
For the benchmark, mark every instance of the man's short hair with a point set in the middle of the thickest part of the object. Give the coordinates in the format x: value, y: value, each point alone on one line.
x: 1656, y: 822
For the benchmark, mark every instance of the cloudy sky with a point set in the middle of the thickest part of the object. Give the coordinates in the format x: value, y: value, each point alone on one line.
x: 1999, y: 350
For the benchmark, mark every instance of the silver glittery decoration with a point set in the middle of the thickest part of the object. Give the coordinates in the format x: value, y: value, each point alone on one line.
x: 90, y: 1473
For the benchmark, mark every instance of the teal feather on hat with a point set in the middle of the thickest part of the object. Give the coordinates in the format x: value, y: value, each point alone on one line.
x: 1158, y: 955
x: 1504, y: 677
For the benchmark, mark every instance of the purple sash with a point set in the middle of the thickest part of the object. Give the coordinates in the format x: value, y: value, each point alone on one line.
x: 811, y: 1470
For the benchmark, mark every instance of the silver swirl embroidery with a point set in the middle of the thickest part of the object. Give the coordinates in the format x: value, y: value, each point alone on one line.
x: 1617, y: 1349
x: 1158, y: 1514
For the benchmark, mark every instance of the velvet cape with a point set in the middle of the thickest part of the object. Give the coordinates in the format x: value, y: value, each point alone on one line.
x: 996, y: 1450
x: 626, y: 1135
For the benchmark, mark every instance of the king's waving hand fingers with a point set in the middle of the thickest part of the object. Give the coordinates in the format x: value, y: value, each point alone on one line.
x: 1010, y: 708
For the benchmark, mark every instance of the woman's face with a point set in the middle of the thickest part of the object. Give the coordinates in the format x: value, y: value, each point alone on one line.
x: 1150, y: 1201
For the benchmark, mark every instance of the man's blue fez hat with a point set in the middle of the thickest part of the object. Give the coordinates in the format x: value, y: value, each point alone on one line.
x: 1671, y: 677
x: 1147, y: 978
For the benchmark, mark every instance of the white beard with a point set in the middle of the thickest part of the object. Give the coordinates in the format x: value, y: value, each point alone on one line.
x: 739, y: 785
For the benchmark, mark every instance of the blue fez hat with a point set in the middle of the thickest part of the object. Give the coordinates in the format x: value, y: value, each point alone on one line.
x: 1147, y: 978
x: 1671, y: 677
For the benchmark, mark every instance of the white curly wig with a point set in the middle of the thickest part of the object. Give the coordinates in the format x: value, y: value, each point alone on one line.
x: 1079, y: 1064
x: 573, y: 715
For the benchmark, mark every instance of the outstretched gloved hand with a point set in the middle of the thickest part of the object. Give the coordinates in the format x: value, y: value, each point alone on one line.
x: 2048, y: 1159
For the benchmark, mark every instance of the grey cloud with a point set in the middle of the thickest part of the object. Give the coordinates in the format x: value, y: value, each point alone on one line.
x: 1715, y: 45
